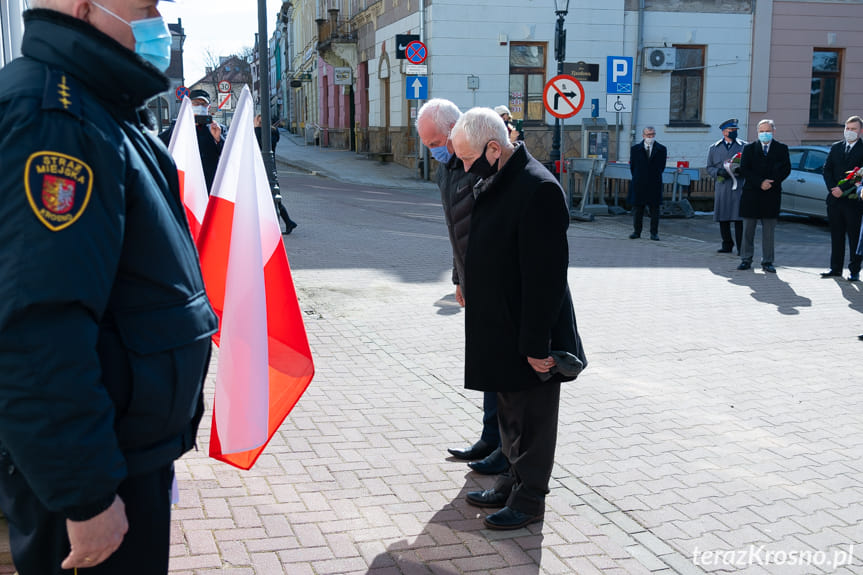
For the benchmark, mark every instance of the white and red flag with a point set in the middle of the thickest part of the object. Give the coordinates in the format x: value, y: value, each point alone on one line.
x: 265, y: 363
x: 184, y: 148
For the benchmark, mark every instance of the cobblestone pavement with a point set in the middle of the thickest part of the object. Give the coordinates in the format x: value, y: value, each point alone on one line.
x: 716, y: 430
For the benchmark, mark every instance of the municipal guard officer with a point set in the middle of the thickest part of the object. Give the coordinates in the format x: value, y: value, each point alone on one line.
x: 211, y: 135
x: 104, y: 322
x: 727, y: 185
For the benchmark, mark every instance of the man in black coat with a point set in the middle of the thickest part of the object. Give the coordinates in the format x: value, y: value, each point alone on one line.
x: 435, y: 120
x: 104, y: 322
x: 646, y: 164
x: 519, y: 310
x: 211, y: 135
x: 764, y: 164
x: 844, y: 211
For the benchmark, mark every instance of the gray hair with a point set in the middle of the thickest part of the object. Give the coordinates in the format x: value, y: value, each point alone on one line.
x: 648, y: 129
x: 480, y: 126
x: 442, y: 113
x: 765, y: 121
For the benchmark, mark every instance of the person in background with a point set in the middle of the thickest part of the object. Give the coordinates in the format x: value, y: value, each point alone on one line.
x: 277, y: 197
x: 514, y: 135
x: 764, y: 165
x: 435, y: 120
x: 519, y: 309
x: 844, y: 212
x: 104, y: 322
x: 211, y: 135
x: 646, y: 164
x: 727, y: 189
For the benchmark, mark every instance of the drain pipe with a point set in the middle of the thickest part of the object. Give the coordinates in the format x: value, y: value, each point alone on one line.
x: 637, y: 79
x: 423, y: 39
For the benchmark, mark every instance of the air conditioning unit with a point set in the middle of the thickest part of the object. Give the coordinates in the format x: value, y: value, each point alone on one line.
x: 659, y: 58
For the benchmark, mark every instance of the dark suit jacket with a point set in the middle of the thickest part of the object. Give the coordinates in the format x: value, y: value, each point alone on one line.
x: 836, y: 166
x: 756, y: 167
x: 646, y: 185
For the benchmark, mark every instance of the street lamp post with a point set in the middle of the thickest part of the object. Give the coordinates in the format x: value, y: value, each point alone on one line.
x: 561, y: 8
x: 264, y: 83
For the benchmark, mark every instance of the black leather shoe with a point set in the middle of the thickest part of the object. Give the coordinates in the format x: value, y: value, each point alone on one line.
x: 860, y: 337
x: 634, y: 236
x: 654, y: 237
x: 507, y: 519
x: 487, y: 498
x: 494, y: 464
x: 289, y: 227
x: 768, y: 268
x: 830, y: 274
x: 723, y: 251
x: 854, y: 278
x: 478, y: 450
x: 744, y: 266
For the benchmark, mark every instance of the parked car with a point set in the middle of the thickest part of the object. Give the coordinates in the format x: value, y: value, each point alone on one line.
x: 804, y: 192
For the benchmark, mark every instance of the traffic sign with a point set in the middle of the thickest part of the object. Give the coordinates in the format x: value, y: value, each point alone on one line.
x: 416, y: 52
x: 416, y: 69
x: 224, y: 101
x: 618, y: 103
x: 224, y: 87
x: 619, y: 78
x: 417, y: 88
x: 563, y: 96
x: 181, y: 92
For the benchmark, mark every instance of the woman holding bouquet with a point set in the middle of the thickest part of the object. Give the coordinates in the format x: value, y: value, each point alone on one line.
x: 724, y: 168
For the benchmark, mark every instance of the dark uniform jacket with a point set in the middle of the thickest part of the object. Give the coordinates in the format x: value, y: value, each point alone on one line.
x: 209, y: 150
x: 456, y: 194
x: 516, y: 288
x: 755, y: 167
x: 646, y: 185
x: 104, y: 323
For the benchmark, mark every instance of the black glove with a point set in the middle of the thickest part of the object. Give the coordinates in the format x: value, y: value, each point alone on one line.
x: 723, y: 173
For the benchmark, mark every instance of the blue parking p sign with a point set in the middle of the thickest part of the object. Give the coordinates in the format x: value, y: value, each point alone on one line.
x: 619, y: 75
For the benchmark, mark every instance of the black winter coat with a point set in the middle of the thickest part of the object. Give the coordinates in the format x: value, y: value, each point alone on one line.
x: 835, y: 169
x: 646, y: 185
x: 456, y: 194
x: 755, y: 167
x: 104, y: 322
x: 516, y: 268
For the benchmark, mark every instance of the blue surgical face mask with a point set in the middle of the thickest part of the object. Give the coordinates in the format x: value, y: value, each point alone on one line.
x: 441, y: 154
x: 765, y: 137
x: 152, y: 39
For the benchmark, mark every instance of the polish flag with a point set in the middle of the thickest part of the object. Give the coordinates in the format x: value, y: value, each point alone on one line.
x: 265, y: 363
x: 184, y: 148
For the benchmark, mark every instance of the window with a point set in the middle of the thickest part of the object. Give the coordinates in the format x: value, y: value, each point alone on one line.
x: 815, y: 161
x: 687, y: 87
x: 527, y: 81
x: 823, y: 98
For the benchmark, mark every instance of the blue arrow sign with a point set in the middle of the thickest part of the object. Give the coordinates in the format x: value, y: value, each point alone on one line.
x: 417, y: 88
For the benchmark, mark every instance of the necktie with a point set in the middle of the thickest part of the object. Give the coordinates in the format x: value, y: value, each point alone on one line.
x: 847, y: 149
x: 647, y: 149
x: 765, y: 150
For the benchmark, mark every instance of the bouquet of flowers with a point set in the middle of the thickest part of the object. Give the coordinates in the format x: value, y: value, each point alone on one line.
x: 732, y: 166
x: 850, y: 182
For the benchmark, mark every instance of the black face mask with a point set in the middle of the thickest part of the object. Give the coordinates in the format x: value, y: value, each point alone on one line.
x: 732, y: 135
x: 481, y: 168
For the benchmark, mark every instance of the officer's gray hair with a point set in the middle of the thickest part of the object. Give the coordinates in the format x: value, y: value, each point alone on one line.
x: 765, y: 121
x: 442, y: 113
x: 480, y: 126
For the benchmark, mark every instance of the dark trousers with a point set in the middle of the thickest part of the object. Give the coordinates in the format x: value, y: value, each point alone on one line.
x: 490, y: 425
x: 638, y: 218
x: 283, y: 212
x: 40, y: 543
x: 528, y: 428
x: 844, y: 218
x: 725, y: 232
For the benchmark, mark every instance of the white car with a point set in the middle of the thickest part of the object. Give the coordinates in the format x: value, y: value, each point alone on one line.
x: 804, y: 192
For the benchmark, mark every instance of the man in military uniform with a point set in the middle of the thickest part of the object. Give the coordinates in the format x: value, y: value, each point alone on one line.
x: 211, y: 135
x: 104, y: 323
x: 728, y: 186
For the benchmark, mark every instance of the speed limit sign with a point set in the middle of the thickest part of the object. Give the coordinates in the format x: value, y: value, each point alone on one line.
x: 224, y: 86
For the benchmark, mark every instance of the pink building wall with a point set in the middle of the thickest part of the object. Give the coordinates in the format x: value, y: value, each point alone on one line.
x: 798, y: 28
x: 334, y: 112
